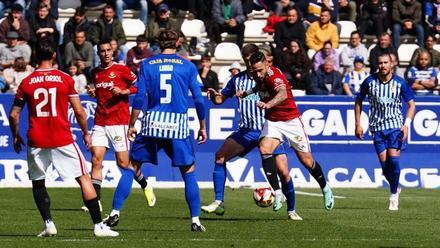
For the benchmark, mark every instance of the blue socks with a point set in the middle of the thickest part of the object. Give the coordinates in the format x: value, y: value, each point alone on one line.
x: 219, y: 179
x: 393, y: 171
x: 123, y: 189
x: 192, y: 195
x: 289, y: 192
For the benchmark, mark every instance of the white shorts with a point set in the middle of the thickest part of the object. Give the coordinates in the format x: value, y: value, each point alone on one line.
x: 67, y: 160
x: 117, y: 134
x: 292, y: 131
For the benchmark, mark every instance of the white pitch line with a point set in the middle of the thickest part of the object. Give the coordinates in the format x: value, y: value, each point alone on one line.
x: 316, y: 194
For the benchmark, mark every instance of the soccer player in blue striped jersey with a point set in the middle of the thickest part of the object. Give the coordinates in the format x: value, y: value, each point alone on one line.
x: 164, y: 83
x: 244, y: 139
x: 422, y: 77
x: 385, y: 92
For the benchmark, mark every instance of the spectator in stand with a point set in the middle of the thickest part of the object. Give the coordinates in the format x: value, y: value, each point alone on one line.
x: 434, y: 55
x: 108, y: 27
x: 234, y: 69
x: 13, y: 50
x: 353, y: 79
x: 163, y: 21
x: 140, y: 5
x: 52, y: 6
x: 79, y: 52
x: 15, y: 22
x: 353, y: 49
x: 5, y: 4
x: 79, y: 78
x: 201, y: 9
x: 347, y: 10
x: 407, y: 19
x: 42, y: 26
x: 432, y: 17
x: 118, y: 55
x: 383, y: 46
x: 138, y: 53
x: 78, y: 22
x: 297, y: 65
x: 15, y: 74
x: 285, y: 32
x: 327, y: 51
x: 312, y: 10
x: 373, y: 18
x: 228, y: 16
x: 250, y: 5
x: 322, y: 31
x: 182, y: 48
x: 326, y: 80
x: 208, y: 76
x: 422, y: 77
x: 282, y: 7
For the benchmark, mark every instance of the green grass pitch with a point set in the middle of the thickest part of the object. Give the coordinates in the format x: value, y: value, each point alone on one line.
x: 361, y: 219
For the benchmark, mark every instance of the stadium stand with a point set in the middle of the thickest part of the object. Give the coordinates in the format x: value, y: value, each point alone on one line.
x: 405, y: 52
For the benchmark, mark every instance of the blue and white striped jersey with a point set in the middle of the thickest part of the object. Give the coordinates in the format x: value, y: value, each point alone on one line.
x: 385, y: 101
x: 354, y: 79
x: 414, y: 73
x: 251, y: 116
x: 166, y: 80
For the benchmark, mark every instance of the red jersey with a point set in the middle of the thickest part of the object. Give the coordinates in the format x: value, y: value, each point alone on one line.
x: 47, y: 93
x: 112, y: 110
x: 286, y: 110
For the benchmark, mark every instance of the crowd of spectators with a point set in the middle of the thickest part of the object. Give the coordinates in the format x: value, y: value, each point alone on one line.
x: 306, y: 43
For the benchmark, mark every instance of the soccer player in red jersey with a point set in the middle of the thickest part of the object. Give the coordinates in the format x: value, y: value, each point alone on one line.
x: 283, y: 121
x: 111, y: 85
x: 48, y: 92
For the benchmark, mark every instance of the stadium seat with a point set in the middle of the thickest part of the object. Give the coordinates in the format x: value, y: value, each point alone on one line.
x: 130, y: 44
x: 133, y: 27
x: 340, y: 48
x: 367, y: 62
x: 61, y: 22
x: 254, y: 29
x: 346, y: 28
x: 227, y: 51
x: 405, y: 52
x: 311, y: 53
x: 193, y: 28
x: 437, y: 47
x: 223, y: 74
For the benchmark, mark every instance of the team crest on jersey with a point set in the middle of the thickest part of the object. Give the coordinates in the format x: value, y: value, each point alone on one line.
x: 112, y: 75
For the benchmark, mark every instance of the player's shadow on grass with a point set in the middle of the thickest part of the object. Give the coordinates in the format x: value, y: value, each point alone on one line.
x: 17, y: 235
x: 213, y: 218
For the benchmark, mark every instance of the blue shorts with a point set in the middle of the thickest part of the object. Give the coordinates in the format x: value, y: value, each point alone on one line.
x: 390, y: 138
x: 145, y: 149
x: 248, y: 138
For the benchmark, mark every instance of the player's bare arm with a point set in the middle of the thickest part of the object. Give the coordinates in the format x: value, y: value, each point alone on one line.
x: 14, y: 118
x: 81, y: 117
x: 409, y: 117
x: 216, y: 97
x: 280, y: 97
x: 202, y: 135
x: 131, y: 133
x: 359, y: 131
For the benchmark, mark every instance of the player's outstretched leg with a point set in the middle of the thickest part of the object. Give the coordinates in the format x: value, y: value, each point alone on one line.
x: 91, y: 201
x: 122, y: 191
x: 192, y: 196
x: 219, y: 179
x: 42, y: 200
x: 269, y: 167
x: 393, y: 170
x: 148, y: 190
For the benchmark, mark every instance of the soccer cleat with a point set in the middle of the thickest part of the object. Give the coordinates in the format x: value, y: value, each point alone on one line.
x: 112, y: 220
x: 48, y: 231
x: 197, y: 228
x: 215, y: 207
x: 329, y: 201
x: 85, y: 209
x: 394, y: 204
x: 294, y: 216
x: 150, y: 196
x: 277, y: 203
x: 102, y: 230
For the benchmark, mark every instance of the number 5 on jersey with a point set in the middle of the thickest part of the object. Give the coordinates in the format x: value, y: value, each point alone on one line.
x: 166, y: 86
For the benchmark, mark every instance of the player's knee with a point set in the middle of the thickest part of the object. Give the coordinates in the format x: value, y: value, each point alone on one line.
x: 265, y: 150
x: 97, y: 163
x: 220, y: 158
x: 38, y: 184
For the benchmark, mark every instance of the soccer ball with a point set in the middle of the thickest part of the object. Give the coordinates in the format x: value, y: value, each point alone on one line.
x: 264, y: 197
